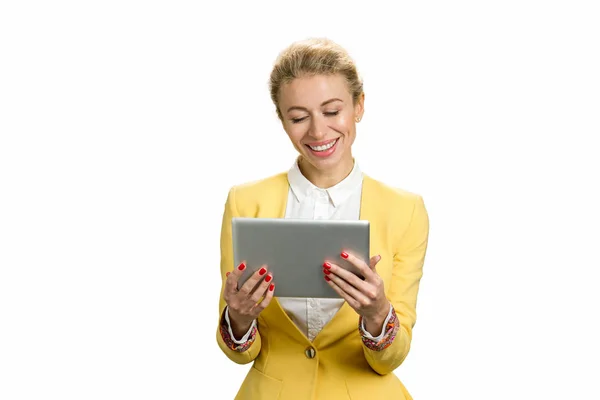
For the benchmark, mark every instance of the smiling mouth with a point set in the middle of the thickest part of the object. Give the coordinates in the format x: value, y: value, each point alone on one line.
x: 323, y: 147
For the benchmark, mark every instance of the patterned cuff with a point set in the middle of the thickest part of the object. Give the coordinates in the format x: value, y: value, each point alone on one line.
x: 391, y: 329
x: 228, y: 339
x: 382, y: 330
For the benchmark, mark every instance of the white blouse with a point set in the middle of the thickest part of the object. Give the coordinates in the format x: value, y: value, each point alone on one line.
x: 305, y: 200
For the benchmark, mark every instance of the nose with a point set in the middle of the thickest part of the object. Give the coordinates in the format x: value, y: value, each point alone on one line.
x: 318, y: 128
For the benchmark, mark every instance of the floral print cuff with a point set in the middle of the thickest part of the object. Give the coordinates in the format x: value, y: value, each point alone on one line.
x: 391, y: 329
x: 224, y: 329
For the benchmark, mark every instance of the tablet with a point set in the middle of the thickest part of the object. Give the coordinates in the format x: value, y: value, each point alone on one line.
x: 295, y: 249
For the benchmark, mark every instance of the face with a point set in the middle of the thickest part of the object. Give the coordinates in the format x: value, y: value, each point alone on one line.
x: 319, y: 117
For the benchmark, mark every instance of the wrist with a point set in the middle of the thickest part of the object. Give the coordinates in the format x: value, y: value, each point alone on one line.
x: 374, y: 323
x: 239, y: 324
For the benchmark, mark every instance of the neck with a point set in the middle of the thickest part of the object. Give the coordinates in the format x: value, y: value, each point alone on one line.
x: 328, y: 178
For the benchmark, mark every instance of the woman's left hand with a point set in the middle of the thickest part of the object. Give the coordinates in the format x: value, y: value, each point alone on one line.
x: 366, y: 297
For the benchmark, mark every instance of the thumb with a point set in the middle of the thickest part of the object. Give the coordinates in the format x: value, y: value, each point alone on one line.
x: 373, y: 262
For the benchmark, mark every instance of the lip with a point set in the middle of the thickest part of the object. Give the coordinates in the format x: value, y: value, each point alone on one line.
x: 321, y: 143
x: 326, y: 153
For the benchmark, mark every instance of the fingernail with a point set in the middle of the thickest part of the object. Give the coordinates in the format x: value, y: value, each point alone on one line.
x: 262, y: 271
x: 327, y: 278
x: 272, y: 287
x: 326, y: 271
x: 268, y: 278
x: 327, y: 265
x: 242, y: 266
x: 227, y: 274
x: 344, y: 254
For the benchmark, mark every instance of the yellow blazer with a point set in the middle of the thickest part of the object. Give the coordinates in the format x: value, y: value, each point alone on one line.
x: 336, y: 365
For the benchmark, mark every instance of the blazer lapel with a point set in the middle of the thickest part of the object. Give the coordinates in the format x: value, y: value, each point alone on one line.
x: 274, y: 201
x: 274, y: 206
x: 346, y: 318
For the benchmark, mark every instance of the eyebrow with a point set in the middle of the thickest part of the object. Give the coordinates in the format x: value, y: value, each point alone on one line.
x: 322, y: 104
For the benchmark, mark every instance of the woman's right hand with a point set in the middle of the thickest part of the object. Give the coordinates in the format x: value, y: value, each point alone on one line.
x: 243, y: 304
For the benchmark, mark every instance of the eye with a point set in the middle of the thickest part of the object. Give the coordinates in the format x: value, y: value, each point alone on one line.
x: 297, y: 120
x: 331, y: 113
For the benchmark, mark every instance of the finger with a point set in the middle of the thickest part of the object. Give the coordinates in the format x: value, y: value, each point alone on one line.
x: 373, y: 261
x: 364, y: 269
x: 358, y: 294
x: 231, y: 283
x: 348, y: 276
x: 261, y: 288
x: 268, y: 296
x: 349, y: 299
x: 249, y: 286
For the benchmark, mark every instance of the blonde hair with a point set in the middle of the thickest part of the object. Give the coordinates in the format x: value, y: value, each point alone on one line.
x: 315, y: 56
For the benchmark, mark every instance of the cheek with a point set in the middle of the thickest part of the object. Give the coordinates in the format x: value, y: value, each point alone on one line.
x: 344, y: 123
x: 294, y: 132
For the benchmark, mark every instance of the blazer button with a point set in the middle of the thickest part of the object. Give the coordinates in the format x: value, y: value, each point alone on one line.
x: 310, y: 352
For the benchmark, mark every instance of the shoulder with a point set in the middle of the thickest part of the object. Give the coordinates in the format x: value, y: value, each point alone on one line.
x: 392, y: 205
x: 390, y: 193
x: 258, y: 188
x: 248, y: 197
x: 398, y: 210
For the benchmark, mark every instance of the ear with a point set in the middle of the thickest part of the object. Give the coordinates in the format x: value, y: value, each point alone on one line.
x: 359, y: 107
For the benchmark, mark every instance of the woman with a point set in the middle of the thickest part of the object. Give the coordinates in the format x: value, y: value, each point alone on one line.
x: 324, y: 348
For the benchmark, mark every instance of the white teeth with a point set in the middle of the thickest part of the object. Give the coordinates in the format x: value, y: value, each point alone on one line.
x: 324, y: 147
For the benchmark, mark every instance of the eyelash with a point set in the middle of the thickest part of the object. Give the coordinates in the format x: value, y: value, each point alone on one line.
x: 329, y: 114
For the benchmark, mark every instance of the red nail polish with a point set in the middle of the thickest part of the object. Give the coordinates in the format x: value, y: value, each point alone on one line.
x: 242, y: 266
x: 227, y: 274
x: 326, y: 271
x: 262, y: 271
x: 344, y: 254
x: 327, y: 278
x: 272, y: 287
x: 327, y: 265
x: 268, y: 278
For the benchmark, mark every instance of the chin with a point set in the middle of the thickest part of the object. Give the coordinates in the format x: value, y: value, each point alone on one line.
x: 323, y: 163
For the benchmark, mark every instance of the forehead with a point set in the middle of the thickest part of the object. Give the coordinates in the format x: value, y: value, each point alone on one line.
x: 311, y: 91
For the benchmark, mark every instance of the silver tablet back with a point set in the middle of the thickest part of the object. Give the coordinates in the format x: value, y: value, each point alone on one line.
x: 295, y: 249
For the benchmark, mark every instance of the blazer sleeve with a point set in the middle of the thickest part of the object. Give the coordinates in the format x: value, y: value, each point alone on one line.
x: 251, y: 353
x: 407, y: 270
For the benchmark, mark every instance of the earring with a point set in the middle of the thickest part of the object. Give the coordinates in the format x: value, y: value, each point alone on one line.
x: 357, y: 119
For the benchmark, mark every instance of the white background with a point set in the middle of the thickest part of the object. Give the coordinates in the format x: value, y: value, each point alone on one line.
x: 123, y: 124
